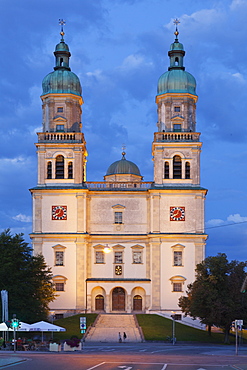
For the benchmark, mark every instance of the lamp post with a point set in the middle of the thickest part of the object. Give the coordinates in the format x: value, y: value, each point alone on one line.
x: 173, y: 328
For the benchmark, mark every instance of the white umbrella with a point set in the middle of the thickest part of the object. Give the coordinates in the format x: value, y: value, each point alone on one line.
x: 45, y: 326
x: 23, y: 327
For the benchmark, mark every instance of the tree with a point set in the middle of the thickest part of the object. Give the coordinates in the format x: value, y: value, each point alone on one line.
x: 215, y: 296
x: 27, y: 279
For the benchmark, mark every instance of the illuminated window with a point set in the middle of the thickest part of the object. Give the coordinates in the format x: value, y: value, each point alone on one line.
x: 60, y: 109
x: 176, y: 109
x: 177, y: 127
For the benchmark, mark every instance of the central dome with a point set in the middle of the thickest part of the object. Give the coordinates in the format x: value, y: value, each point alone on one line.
x: 123, y: 166
x: 176, y: 81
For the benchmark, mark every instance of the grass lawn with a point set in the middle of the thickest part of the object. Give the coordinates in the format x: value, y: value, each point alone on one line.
x: 72, y: 325
x: 154, y: 327
x: 158, y: 328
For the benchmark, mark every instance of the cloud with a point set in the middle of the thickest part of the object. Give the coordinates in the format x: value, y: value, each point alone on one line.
x: 22, y: 218
x: 236, y: 218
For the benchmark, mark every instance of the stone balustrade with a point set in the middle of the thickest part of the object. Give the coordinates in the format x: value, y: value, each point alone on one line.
x: 65, y: 137
x: 118, y: 185
x: 176, y: 136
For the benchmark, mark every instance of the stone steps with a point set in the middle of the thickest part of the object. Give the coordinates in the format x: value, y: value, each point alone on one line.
x: 108, y: 327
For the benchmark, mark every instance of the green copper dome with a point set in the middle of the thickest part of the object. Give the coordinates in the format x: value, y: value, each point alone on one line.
x: 62, y: 80
x: 176, y: 79
x: 123, y: 167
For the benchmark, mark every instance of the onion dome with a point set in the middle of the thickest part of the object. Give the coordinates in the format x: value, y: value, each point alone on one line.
x: 123, y: 167
x: 176, y: 79
x: 62, y: 80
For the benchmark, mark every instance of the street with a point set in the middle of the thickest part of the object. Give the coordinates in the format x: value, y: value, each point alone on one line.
x: 130, y: 356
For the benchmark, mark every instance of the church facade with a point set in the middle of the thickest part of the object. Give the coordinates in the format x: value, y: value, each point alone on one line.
x: 120, y: 244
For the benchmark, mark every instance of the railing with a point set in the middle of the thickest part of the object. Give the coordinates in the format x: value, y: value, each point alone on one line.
x: 176, y: 136
x: 75, y: 137
x: 118, y: 185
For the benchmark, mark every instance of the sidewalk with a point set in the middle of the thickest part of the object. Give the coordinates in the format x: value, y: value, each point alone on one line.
x: 10, y: 360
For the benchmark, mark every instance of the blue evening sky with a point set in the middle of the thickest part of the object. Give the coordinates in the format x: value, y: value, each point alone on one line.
x: 119, y: 50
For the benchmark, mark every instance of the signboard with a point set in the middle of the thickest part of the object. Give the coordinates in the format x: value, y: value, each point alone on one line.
x: 83, y: 324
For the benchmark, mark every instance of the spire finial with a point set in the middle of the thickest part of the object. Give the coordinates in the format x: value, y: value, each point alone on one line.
x: 176, y: 33
x: 123, y: 151
x: 62, y: 23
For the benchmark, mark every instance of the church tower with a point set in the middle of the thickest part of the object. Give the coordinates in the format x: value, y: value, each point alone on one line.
x: 176, y: 145
x: 61, y: 146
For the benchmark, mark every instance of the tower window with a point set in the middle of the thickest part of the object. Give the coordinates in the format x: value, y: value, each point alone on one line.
x: 177, y: 167
x: 166, y: 172
x: 187, y: 170
x: 60, y: 128
x: 60, y: 167
x: 176, y: 109
x: 49, y: 170
x: 118, y: 217
x: 60, y: 109
x: 177, y: 127
x: 176, y: 61
x: 61, y: 62
x: 70, y: 170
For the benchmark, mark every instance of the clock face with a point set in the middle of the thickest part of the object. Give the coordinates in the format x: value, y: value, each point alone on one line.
x: 177, y: 213
x: 59, y: 212
x: 118, y: 270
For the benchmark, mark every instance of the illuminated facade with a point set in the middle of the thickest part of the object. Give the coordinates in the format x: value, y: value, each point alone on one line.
x: 153, y: 231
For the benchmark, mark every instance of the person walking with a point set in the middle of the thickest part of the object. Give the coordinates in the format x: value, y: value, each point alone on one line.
x: 119, y: 337
x: 124, y: 336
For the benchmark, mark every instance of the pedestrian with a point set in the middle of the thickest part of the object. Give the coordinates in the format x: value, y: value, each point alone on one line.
x: 124, y: 336
x: 119, y: 337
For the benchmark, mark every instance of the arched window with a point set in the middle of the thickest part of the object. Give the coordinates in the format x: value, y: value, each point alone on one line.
x: 177, y: 167
x: 70, y: 170
x: 187, y: 170
x: 49, y: 170
x: 60, y: 167
x: 166, y: 170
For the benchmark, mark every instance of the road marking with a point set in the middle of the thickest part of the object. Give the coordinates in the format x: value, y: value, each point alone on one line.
x: 94, y: 367
x: 164, y: 367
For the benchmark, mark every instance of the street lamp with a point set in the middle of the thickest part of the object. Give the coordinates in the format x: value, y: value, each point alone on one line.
x: 173, y: 328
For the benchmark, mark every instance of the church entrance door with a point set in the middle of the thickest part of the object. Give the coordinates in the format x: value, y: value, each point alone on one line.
x: 99, y: 302
x: 118, y: 299
x: 137, y: 303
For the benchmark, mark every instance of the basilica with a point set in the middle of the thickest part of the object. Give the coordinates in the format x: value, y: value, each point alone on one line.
x: 119, y: 244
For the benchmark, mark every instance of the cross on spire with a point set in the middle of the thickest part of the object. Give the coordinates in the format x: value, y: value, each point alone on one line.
x: 176, y: 22
x: 62, y: 22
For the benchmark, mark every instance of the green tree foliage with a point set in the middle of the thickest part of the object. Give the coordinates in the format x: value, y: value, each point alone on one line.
x: 27, y: 279
x: 215, y: 296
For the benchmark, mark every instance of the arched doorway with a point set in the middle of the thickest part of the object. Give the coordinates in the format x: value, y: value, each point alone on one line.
x: 99, y: 303
x: 118, y: 299
x: 137, y: 303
